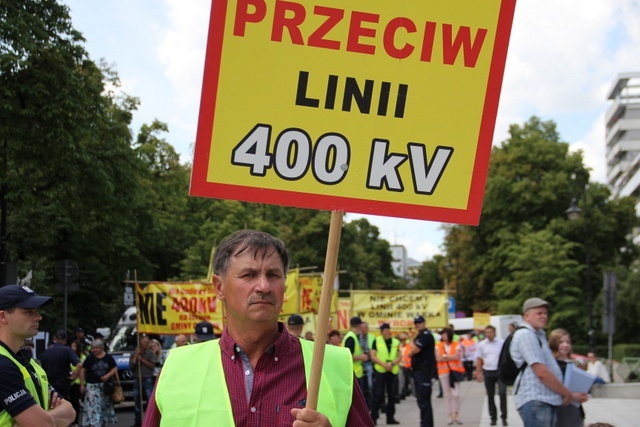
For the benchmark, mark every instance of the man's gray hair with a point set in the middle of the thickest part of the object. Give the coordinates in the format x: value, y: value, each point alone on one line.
x: 257, y: 242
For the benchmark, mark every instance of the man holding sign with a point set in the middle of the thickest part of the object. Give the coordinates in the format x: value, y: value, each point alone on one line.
x: 256, y: 373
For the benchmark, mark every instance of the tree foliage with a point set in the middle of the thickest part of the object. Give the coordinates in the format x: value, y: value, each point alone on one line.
x: 525, y: 245
x: 79, y: 185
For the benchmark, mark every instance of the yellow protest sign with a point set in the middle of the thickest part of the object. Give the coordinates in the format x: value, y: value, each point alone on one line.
x: 176, y: 308
x: 481, y: 320
x: 399, y: 308
x: 383, y: 108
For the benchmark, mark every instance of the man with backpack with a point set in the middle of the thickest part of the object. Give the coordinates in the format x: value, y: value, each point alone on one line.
x: 538, y: 387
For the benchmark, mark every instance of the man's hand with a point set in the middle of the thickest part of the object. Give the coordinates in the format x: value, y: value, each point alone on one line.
x: 580, y: 397
x: 478, y: 376
x: 54, y: 400
x: 567, y: 398
x: 307, y: 417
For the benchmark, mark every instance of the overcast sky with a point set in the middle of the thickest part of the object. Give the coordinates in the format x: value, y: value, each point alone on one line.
x: 563, y: 58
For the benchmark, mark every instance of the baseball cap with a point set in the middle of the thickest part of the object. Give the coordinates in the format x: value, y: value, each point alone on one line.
x: 61, y: 334
x: 21, y: 297
x: 533, y: 303
x: 204, y: 331
x: 295, y: 319
x: 355, y: 321
x: 418, y: 319
x: 385, y: 326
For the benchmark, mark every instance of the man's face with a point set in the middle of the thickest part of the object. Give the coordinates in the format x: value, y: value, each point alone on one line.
x: 253, y: 287
x: 490, y: 333
x: 144, y: 342
x: 365, y: 327
x: 335, y: 339
x: 181, y: 340
x: 386, y: 333
x: 537, y: 317
x: 420, y: 326
x: 23, y: 322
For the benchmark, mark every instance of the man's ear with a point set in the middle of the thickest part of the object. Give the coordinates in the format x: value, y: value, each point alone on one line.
x: 217, y: 284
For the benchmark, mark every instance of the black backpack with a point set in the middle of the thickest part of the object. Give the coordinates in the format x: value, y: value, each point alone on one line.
x: 507, y: 369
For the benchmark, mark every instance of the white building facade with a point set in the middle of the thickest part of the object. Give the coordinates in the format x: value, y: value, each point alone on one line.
x: 622, y: 123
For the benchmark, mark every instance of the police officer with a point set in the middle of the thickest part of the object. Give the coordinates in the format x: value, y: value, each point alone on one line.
x: 25, y: 395
x: 423, y: 362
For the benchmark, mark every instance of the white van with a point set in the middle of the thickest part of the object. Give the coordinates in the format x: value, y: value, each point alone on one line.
x: 501, y: 323
x: 465, y: 325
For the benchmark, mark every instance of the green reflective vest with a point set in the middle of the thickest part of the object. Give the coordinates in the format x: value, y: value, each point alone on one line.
x: 382, y: 352
x: 357, y: 351
x: 193, y: 377
x: 5, y: 419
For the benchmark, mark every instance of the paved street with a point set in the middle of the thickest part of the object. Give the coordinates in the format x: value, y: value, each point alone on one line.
x: 473, y: 410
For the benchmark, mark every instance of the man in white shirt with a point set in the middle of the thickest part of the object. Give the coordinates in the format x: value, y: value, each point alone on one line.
x: 597, y: 368
x: 488, y: 353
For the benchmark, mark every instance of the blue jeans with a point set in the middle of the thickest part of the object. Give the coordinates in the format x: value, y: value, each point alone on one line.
x: 147, y: 387
x: 538, y: 414
x: 422, y: 390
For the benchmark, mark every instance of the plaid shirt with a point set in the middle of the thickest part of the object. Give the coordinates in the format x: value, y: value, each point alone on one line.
x: 531, y: 346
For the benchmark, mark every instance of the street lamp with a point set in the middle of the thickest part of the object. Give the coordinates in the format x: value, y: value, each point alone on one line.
x: 574, y: 213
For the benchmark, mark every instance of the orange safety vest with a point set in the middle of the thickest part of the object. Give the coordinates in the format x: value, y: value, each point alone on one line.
x: 406, y: 358
x: 456, y: 365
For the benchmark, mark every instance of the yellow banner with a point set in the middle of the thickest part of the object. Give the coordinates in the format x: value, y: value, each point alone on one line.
x: 310, y: 292
x: 344, y: 310
x: 398, y: 308
x: 176, y: 308
x: 481, y: 320
x: 291, y: 293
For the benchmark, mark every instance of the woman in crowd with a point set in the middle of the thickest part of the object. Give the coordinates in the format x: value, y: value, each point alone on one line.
x: 448, y: 356
x: 99, y: 368
x: 75, y: 384
x: 335, y: 338
x: 560, y: 345
x: 156, y: 347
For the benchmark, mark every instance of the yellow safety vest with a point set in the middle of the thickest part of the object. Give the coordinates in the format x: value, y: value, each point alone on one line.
x: 5, y: 419
x: 357, y: 351
x: 77, y: 380
x: 382, y: 352
x: 193, y: 377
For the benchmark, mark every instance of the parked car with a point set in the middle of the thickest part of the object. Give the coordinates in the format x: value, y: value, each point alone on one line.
x: 124, y: 340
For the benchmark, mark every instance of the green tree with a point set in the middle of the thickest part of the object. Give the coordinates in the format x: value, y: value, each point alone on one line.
x: 525, y: 245
x: 428, y: 276
x: 366, y: 258
x: 71, y: 186
x: 164, y: 231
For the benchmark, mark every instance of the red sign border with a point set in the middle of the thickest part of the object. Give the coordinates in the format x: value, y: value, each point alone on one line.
x: 470, y: 216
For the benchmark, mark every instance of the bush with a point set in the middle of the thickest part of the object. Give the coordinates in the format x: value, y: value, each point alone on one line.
x: 626, y: 350
x: 602, y: 351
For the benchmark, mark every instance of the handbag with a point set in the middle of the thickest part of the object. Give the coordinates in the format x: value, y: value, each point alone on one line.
x: 118, y: 394
x: 454, y: 376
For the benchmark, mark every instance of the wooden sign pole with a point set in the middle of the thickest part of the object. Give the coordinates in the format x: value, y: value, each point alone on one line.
x: 330, y: 267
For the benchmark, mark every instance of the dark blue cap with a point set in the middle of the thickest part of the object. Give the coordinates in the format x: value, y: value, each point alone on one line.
x: 21, y: 297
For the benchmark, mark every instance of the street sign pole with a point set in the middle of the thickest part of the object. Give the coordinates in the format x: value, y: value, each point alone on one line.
x: 67, y: 272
